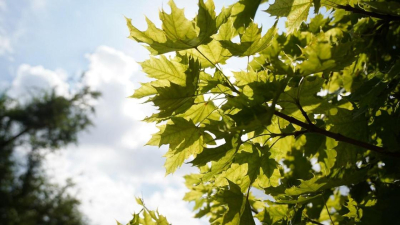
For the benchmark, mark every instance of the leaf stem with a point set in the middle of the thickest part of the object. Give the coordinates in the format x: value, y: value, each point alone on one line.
x: 322, y: 196
x: 296, y: 134
x: 216, y: 108
x: 313, y: 221
x: 248, y: 62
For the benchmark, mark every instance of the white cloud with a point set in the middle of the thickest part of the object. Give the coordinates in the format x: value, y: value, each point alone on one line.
x: 5, y: 41
x: 38, y: 4
x: 5, y: 45
x: 33, y: 78
x: 3, y: 5
x: 110, y: 166
x: 109, y: 65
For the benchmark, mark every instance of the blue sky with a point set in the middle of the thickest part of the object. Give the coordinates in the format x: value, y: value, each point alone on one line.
x: 48, y: 43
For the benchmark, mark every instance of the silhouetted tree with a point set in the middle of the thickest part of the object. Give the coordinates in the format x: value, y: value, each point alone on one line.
x: 43, y: 123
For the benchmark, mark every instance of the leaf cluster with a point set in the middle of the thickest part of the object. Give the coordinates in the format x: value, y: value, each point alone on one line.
x: 312, y: 120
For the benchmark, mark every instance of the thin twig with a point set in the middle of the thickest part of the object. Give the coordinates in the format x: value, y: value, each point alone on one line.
x: 275, y: 142
x: 313, y: 221
x: 329, y: 213
x: 272, y: 135
x: 248, y: 61
x: 303, y: 112
x: 216, y: 108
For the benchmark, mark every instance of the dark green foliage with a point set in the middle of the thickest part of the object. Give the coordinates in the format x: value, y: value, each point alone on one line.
x: 45, y: 122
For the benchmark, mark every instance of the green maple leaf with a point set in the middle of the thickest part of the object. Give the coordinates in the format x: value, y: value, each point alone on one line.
x: 148, y: 89
x: 320, y: 183
x: 201, y: 111
x: 251, y: 41
x: 248, y: 109
x: 176, y: 26
x: 323, y: 147
x: 326, y: 53
x: 174, y: 160
x: 258, y: 165
x: 179, y: 33
x: 245, y: 78
x: 244, y: 12
x: 296, y: 12
x: 164, y: 69
x: 303, y: 92
x: 176, y: 99
x: 227, y: 31
x: 213, y: 154
x: 235, y: 173
x: 346, y: 125
x: 209, y: 55
x: 184, y: 139
x: 150, y: 217
x: 182, y: 135
x: 275, y: 214
x: 220, y: 157
x: 239, y: 211
x: 171, y: 100
x: 354, y: 210
x: 272, y: 56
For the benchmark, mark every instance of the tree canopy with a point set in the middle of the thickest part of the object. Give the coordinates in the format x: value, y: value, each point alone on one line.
x: 312, y: 120
x: 38, y: 124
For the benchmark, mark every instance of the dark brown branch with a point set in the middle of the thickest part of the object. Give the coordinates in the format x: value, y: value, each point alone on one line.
x: 338, y: 137
x: 371, y: 14
x: 303, y: 112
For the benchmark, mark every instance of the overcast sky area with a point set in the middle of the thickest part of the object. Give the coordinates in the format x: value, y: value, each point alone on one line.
x: 50, y: 43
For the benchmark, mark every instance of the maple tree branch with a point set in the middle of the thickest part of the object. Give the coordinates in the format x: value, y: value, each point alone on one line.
x: 338, y: 137
x: 371, y: 14
x: 303, y: 112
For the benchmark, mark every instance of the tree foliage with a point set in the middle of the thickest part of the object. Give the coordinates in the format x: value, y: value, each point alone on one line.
x: 312, y: 120
x: 39, y: 124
